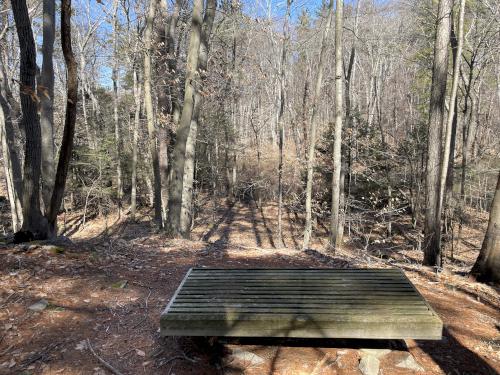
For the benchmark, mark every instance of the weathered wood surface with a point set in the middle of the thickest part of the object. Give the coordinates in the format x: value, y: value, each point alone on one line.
x: 312, y: 303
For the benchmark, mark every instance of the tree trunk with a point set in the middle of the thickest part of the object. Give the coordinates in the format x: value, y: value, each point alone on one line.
x: 432, y: 225
x: 335, y: 234
x: 148, y: 105
x: 313, y: 126
x: 282, y: 77
x: 179, y: 153
x: 34, y: 224
x: 12, y: 165
x: 487, y: 266
x: 135, y: 140
x: 69, y: 120
x: 46, y: 96
x: 116, y: 120
x: 187, y: 194
x: 449, y: 143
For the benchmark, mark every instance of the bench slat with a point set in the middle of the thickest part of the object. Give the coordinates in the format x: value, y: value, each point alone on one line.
x: 360, y: 303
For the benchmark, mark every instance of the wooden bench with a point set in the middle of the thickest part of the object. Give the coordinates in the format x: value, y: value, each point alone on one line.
x: 304, y: 303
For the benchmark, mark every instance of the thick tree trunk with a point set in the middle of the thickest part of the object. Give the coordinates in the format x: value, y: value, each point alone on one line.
x: 432, y: 225
x: 313, y: 126
x: 148, y: 105
x: 179, y: 153
x: 282, y: 78
x: 34, y: 224
x: 487, y: 266
x: 46, y: 96
x: 189, y: 168
x: 335, y: 225
x: 69, y: 119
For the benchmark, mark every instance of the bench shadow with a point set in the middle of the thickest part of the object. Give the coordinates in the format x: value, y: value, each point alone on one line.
x: 449, y: 354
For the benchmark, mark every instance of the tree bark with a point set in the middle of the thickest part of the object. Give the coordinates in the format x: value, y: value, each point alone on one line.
x: 432, y: 224
x: 187, y: 194
x: 179, y: 153
x: 116, y: 119
x: 69, y: 119
x: 335, y: 234
x: 46, y: 96
x: 282, y: 77
x: 313, y: 126
x: 12, y: 165
x: 137, y: 118
x: 148, y: 105
x: 487, y: 266
x: 34, y: 224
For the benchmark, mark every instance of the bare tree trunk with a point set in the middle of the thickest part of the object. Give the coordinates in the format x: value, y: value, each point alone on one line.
x: 487, y: 266
x: 187, y: 194
x: 34, y: 224
x: 284, y: 52
x: 137, y: 118
x: 313, y: 126
x: 46, y: 96
x: 179, y: 153
x: 432, y: 225
x: 335, y: 234
x: 69, y: 120
x: 116, y: 120
x: 451, y: 120
x: 12, y: 165
x: 148, y: 105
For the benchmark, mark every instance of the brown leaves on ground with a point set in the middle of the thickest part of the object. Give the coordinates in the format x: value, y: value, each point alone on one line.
x: 110, y: 286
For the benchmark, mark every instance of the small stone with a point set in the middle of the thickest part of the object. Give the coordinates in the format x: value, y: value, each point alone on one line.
x: 39, y: 306
x: 248, y: 358
x: 377, y: 353
x: 410, y: 364
x: 369, y: 365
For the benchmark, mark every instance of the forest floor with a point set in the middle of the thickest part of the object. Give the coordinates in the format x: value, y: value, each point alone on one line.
x: 108, y: 286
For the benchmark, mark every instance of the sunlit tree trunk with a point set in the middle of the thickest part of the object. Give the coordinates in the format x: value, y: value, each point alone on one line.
x: 116, y: 120
x: 11, y: 161
x: 432, y: 224
x: 282, y: 77
x: 335, y: 230
x: 148, y: 105
x: 189, y: 167
x: 179, y: 153
x: 313, y: 128
x: 137, y: 87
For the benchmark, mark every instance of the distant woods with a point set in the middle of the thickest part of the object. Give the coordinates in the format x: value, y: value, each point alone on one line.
x: 349, y: 116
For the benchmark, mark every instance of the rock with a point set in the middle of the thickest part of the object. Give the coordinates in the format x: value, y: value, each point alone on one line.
x: 248, y: 358
x: 377, y: 353
x: 39, y: 306
x: 369, y: 365
x: 409, y: 363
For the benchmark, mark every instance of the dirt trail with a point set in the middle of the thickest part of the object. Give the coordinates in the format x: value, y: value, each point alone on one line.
x: 111, y: 285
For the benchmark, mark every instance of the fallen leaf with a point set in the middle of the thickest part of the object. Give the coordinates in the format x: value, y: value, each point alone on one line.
x: 140, y: 352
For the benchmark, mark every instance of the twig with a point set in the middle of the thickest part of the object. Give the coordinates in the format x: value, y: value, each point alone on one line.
x: 102, y: 361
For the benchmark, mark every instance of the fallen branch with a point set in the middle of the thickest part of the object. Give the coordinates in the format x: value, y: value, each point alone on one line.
x: 102, y: 361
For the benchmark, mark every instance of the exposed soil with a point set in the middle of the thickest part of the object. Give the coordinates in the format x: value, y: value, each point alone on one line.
x: 110, y: 285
